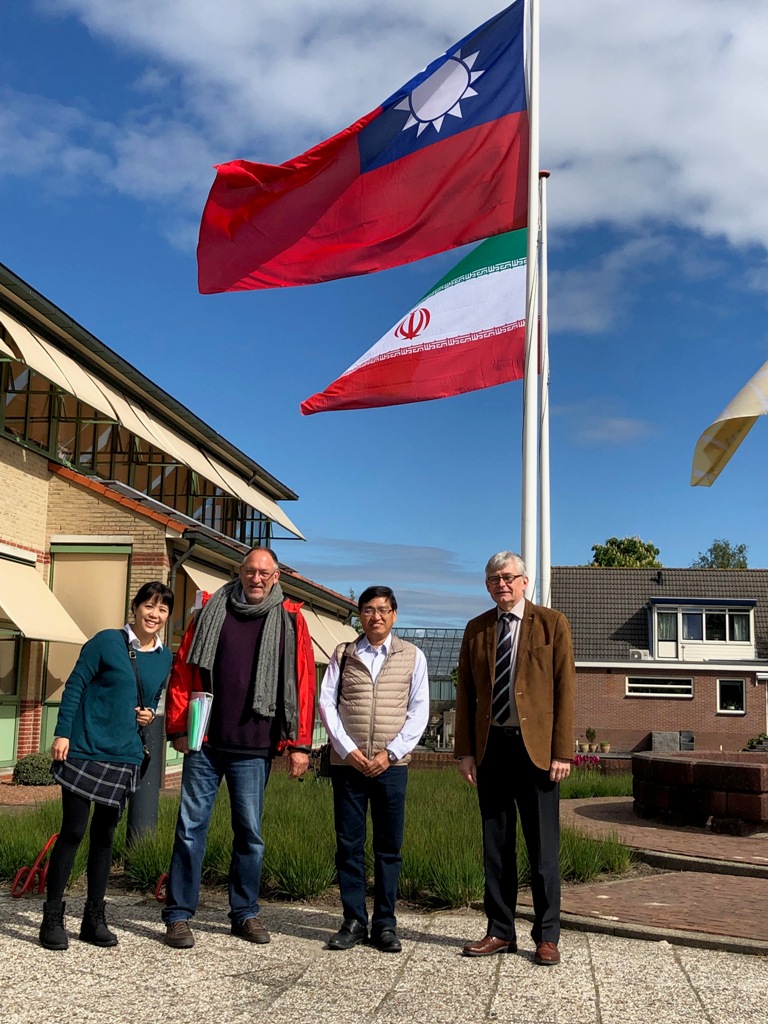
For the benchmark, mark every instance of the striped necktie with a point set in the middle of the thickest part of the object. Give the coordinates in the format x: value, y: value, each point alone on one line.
x: 501, y: 699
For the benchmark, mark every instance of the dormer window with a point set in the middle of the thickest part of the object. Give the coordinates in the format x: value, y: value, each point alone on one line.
x: 702, y: 630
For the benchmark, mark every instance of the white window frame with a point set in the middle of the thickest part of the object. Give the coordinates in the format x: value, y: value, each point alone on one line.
x: 662, y: 687
x: 738, y: 712
x: 686, y: 649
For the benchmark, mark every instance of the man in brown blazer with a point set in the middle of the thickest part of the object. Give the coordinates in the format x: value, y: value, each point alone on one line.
x: 514, y: 739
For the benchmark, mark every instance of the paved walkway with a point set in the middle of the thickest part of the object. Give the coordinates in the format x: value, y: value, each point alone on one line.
x: 603, y: 979
x: 629, y: 954
x: 712, y: 890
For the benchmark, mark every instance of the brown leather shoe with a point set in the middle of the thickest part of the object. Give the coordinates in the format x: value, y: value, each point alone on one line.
x: 547, y: 954
x: 490, y: 944
x: 252, y: 930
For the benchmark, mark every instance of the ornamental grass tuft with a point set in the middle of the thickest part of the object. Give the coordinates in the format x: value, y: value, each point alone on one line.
x: 442, y: 848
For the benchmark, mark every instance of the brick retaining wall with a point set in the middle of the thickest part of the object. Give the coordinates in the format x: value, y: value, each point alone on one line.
x: 693, y: 786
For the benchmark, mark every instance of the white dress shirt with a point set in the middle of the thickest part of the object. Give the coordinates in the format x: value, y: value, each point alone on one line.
x: 134, y: 641
x: 373, y: 658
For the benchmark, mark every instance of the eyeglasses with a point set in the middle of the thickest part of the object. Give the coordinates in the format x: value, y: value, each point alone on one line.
x: 509, y: 579
x: 368, y: 613
x: 263, y: 574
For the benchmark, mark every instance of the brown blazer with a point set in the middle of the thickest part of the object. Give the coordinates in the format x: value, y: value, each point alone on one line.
x: 544, y: 685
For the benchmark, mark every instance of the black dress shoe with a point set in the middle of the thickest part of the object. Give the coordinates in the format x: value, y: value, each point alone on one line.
x: 350, y: 934
x: 386, y: 941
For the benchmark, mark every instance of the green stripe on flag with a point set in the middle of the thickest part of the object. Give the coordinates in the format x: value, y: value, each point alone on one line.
x: 494, y: 255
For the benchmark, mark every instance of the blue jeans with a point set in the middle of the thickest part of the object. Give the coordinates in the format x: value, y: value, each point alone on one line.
x: 201, y: 777
x: 352, y: 793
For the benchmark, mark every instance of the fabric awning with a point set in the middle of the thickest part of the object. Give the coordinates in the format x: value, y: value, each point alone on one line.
x: 56, y: 366
x: 67, y: 374
x: 205, y: 578
x: 340, y: 630
x: 237, y: 486
x: 320, y: 634
x: 319, y: 653
x: 148, y: 427
x: 30, y: 605
x: 6, y: 349
x: 721, y: 438
x: 326, y: 632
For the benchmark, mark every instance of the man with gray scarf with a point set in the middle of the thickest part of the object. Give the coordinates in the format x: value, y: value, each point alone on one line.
x: 250, y: 648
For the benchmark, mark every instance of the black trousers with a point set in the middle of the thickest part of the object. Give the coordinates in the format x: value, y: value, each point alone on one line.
x: 508, y: 784
x: 75, y: 812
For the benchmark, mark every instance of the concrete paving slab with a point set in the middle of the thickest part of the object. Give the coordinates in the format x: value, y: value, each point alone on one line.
x: 293, y: 980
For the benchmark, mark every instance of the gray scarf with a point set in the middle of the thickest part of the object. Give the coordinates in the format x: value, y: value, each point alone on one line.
x: 265, y: 682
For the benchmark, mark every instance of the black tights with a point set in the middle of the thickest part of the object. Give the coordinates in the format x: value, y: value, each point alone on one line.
x: 75, y: 811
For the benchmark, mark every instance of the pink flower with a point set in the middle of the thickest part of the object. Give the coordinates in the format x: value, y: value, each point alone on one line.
x: 588, y: 761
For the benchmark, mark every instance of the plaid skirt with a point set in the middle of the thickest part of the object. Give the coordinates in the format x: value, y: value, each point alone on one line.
x: 100, y: 781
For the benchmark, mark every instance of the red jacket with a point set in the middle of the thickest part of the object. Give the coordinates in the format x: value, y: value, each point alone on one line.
x: 185, y: 679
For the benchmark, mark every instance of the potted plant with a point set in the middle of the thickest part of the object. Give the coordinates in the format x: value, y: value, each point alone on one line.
x: 591, y: 737
x: 605, y: 747
x: 583, y: 746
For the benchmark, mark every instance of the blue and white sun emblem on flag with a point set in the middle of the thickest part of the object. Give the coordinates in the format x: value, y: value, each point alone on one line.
x: 441, y: 95
x: 444, y: 96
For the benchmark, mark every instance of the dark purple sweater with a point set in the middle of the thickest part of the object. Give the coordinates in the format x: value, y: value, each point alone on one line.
x: 234, y: 728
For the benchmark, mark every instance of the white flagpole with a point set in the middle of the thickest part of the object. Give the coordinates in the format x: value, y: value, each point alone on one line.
x: 530, y: 411
x: 545, y: 550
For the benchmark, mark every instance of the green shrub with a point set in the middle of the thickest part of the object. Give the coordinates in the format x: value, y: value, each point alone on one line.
x: 299, y: 838
x: 761, y: 740
x: 583, y: 783
x: 23, y: 836
x: 149, y: 856
x: 442, y: 847
x: 33, y: 770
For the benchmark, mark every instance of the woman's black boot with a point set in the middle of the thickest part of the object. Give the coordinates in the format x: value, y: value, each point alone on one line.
x: 52, y: 933
x: 94, y: 927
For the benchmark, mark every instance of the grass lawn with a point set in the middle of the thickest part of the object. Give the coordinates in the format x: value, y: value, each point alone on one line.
x: 442, y: 858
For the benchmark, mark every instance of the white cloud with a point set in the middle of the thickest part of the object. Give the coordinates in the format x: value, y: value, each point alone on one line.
x: 651, y: 113
x: 590, y: 297
x: 602, y: 428
x: 433, y: 587
x: 48, y: 139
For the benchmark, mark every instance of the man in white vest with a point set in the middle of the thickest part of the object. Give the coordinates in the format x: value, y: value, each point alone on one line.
x: 374, y: 703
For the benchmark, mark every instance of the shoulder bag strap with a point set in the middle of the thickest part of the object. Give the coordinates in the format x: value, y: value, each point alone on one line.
x: 342, y: 663
x: 139, y: 693
x: 134, y: 663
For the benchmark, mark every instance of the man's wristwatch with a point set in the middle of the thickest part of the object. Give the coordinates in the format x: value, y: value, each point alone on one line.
x: 393, y: 758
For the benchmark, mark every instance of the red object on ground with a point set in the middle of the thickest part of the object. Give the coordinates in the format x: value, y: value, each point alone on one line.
x: 25, y: 877
x: 160, y: 888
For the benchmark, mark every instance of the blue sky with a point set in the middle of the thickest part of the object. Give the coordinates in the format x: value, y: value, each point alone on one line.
x: 653, y: 125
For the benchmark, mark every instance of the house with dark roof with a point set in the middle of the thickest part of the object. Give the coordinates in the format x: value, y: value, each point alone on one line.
x: 668, y: 650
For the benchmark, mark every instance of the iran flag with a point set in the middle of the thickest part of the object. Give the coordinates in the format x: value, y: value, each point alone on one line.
x: 467, y: 333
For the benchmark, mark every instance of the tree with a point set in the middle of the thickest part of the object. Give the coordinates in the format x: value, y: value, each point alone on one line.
x: 628, y: 552
x: 355, y: 620
x: 721, y: 554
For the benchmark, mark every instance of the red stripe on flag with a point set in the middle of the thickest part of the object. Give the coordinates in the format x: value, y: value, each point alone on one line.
x: 319, y: 219
x: 423, y: 374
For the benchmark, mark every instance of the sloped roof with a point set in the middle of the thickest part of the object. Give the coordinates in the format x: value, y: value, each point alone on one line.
x: 608, y: 608
x: 41, y: 315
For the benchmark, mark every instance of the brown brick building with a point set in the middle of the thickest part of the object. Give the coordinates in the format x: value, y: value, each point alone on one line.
x: 107, y: 482
x: 668, y: 650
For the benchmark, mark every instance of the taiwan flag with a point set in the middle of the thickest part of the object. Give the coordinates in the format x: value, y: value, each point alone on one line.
x: 467, y: 333
x: 442, y: 162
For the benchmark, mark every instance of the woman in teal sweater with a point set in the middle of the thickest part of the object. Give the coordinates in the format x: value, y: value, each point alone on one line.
x: 98, y: 751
